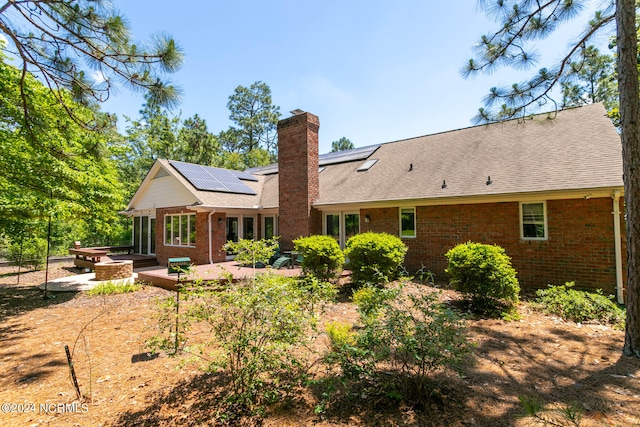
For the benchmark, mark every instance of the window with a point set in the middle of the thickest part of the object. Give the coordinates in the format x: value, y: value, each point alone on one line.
x: 269, y: 229
x: 180, y: 230
x: 407, y: 222
x: 351, y: 225
x: 341, y: 226
x: 247, y: 227
x: 333, y: 226
x: 533, y: 221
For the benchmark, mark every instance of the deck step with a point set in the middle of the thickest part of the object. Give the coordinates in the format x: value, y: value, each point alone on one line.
x: 142, y: 263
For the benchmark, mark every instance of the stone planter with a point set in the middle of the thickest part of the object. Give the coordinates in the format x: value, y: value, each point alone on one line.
x: 114, y: 270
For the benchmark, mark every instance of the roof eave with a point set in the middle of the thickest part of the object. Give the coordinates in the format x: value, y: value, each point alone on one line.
x: 585, y: 193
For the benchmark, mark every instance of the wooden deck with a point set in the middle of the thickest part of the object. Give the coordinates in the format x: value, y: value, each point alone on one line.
x: 88, y: 257
x: 220, y: 271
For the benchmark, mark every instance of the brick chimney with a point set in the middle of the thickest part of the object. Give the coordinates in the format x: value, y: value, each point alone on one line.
x: 297, y: 177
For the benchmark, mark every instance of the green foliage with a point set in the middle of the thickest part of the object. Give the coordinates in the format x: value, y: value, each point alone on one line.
x: 51, y: 166
x: 30, y: 252
x: 519, y: 24
x: 579, y: 306
x: 249, y: 252
x: 484, y: 274
x: 592, y: 79
x: 340, y: 334
x: 255, y: 119
x: 342, y: 144
x: 374, y: 257
x: 399, y: 341
x: 67, y: 44
x: 111, y: 288
x: 535, y: 408
x: 321, y: 256
x: 254, y: 328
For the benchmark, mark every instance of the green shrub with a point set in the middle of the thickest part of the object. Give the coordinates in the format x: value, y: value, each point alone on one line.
x: 250, y: 252
x: 484, y: 274
x: 321, y: 256
x: 399, y: 341
x: 32, y: 252
x: 255, y: 328
x: 111, y: 288
x: 375, y: 257
x: 579, y: 306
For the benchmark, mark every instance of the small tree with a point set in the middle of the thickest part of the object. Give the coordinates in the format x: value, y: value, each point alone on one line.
x: 375, y: 257
x: 256, y: 332
x: 484, y: 273
x: 251, y: 252
x: 321, y: 256
x: 399, y: 341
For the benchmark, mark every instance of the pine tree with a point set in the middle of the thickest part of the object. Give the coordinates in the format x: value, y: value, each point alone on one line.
x: 522, y: 22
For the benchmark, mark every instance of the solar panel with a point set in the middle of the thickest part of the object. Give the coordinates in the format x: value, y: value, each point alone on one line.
x: 207, y: 178
x: 347, y: 155
x: 360, y: 153
x: 244, y: 176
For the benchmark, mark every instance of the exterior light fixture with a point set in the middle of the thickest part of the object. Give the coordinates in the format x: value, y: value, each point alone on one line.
x: 367, y: 218
x: 444, y: 184
x: 489, y: 182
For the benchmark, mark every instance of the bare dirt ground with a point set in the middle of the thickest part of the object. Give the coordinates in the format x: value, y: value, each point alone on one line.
x: 559, y: 362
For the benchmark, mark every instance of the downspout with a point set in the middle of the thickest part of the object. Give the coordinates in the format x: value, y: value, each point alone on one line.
x: 210, y: 235
x: 618, y: 246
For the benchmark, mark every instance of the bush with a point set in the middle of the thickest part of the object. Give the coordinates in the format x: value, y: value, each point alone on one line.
x: 32, y: 252
x: 250, y: 252
x: 255, y: 327
x: 375, y: 257
x: 484, y: 274
x: 579, y: 306
x: 111, y: 288
x: 321, y: 256
x: 399, y: 340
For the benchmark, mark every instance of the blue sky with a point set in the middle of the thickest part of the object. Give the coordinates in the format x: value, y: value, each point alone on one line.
x: 373, y: 71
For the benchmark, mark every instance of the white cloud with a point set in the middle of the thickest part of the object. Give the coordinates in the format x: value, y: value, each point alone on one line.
x: 98, y: 76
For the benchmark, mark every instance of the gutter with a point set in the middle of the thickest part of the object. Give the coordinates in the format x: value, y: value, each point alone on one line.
x: 618, y: 246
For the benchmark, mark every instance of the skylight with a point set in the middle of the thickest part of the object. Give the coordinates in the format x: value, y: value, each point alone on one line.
x: 367, y: 165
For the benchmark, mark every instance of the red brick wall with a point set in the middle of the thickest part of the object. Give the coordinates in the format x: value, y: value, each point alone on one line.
x: 297, y: 177
x: 200, y: 253
x: 580, y: 245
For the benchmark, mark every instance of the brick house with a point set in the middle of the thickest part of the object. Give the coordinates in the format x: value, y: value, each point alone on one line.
x: 547, y: 189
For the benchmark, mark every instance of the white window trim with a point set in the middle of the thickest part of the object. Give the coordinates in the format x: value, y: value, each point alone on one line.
x: 342, y: 229
x: 240, y: 218
x: 544, y: 212
x: 179, y: 230
x: 415, y: 227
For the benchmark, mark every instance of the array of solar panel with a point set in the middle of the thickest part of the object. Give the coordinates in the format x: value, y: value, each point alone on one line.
x: 207, y: 178
x: 360, y: 153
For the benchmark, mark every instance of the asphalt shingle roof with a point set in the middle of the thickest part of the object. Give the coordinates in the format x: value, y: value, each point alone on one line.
x: 578, y: 149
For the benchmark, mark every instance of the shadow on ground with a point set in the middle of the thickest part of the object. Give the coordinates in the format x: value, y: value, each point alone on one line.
x: 486, y: 395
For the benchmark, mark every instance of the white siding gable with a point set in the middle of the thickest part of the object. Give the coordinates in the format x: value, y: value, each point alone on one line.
x: 163, y: 192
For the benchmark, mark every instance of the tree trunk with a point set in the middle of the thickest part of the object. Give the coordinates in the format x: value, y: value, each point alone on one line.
x: 630, y: 120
